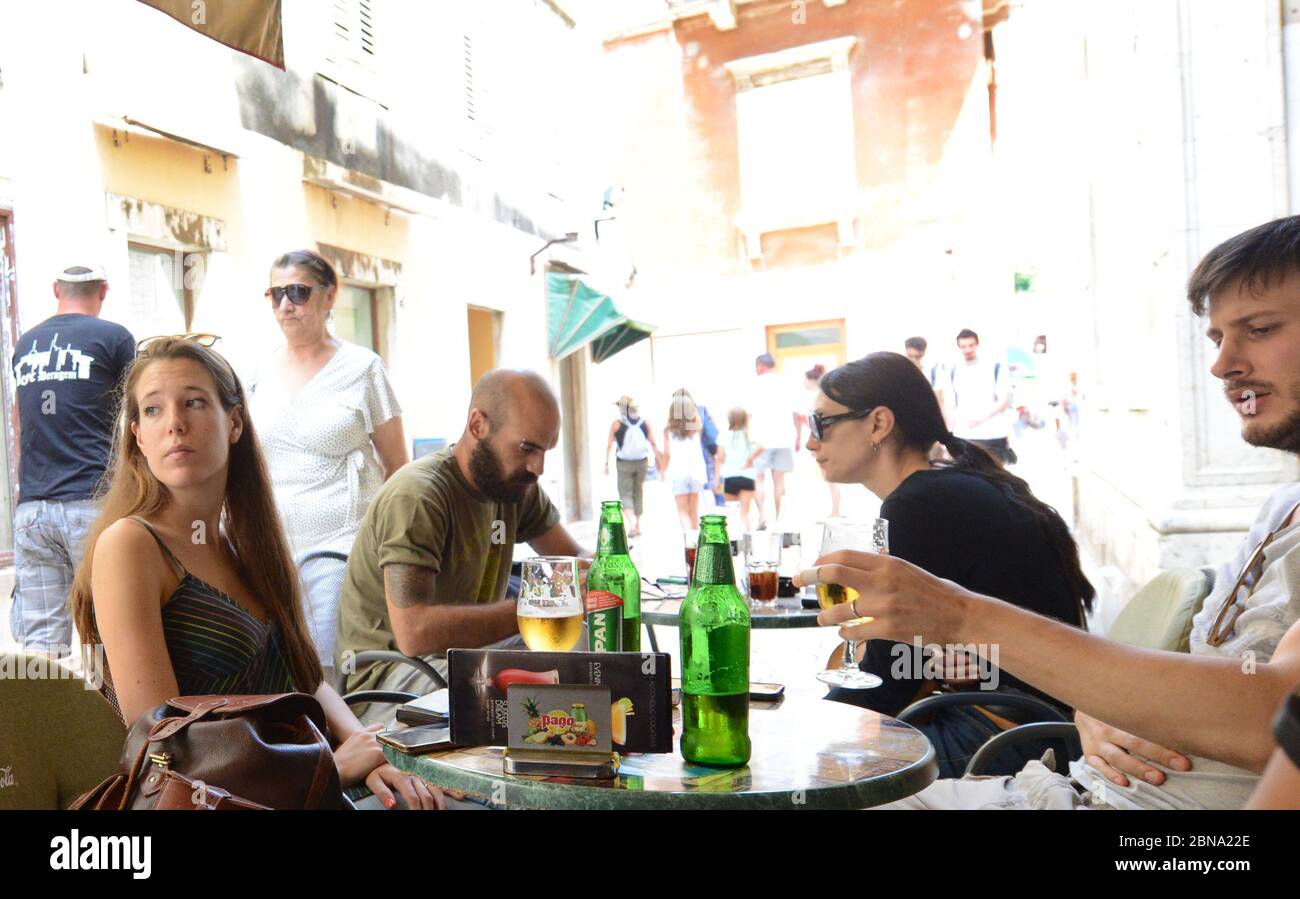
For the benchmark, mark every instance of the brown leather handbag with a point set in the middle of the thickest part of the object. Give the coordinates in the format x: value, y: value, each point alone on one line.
x: 225, y: 752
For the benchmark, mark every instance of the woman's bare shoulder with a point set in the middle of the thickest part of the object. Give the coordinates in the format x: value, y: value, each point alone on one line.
x: 126, y: 547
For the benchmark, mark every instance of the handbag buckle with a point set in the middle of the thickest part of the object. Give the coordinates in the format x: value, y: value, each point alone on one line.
x: 161, y: 759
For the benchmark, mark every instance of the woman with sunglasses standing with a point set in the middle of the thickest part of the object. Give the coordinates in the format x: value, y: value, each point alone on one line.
x: 331, y: 432
x: 187, y: 581
x: 874, y: 422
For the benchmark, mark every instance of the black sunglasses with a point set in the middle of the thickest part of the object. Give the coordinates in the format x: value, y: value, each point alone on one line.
x: 817, y: 423
x: 297, y: 293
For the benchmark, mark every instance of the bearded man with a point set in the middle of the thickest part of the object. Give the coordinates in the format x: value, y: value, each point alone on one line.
x: 431, y: 563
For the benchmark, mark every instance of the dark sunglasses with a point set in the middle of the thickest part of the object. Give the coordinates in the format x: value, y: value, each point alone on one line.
x: 817, y: 423
x: 297, y: 293
x: 204, y: 340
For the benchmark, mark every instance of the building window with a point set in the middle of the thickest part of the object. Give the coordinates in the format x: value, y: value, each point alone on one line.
x: 799, y: 346
x: 163, y: 285
x: 351, y: 56
x: 354, y: 315
x: 794, y: 118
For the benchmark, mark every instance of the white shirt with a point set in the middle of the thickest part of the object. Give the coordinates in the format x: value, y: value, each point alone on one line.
x: 971, y: 390
x: 318, y: 447
x: 772, y: 405
x: 1272, y: 607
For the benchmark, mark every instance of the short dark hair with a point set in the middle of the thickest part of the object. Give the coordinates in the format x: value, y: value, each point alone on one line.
x: 315, y: 263
x: 967, y: 333
x: 766, y: 359
x: 915, y: 343
x: 1255, y: 259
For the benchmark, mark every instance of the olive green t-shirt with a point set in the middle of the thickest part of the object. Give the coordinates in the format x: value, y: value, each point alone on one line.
x: 428, y: 515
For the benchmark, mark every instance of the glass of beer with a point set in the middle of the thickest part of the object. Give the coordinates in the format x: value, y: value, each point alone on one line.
x: 549, y: 609
x: 762, y: 559
x: 870, y: 535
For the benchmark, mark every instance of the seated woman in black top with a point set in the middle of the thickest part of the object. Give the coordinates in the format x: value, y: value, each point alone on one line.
x: 970, y: 521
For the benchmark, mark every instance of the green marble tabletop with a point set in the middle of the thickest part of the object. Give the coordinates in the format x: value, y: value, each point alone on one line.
x: 664, y: 612
x: 808, y: 753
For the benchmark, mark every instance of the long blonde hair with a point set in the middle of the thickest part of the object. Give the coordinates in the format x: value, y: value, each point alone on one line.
x: 683, y: 416
x: 249, y: 517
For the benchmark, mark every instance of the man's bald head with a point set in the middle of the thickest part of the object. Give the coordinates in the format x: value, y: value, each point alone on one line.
x: 514, y: 418
x: 504, y: 395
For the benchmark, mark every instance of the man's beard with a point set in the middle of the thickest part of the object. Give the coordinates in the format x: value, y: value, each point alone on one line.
x: 1285, y: 435
x: 490, y: 476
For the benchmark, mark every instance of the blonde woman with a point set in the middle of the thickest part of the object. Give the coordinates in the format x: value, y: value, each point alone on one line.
x: 736, y: 458
x: 682, y: 442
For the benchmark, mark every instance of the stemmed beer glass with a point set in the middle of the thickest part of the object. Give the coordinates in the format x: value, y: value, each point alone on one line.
x: 869, y: 535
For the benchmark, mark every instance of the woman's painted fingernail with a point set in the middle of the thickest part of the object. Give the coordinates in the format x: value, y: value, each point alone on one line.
x: 390, y: 802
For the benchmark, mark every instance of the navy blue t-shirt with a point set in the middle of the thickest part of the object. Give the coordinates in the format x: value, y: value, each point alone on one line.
x: 67, y: 370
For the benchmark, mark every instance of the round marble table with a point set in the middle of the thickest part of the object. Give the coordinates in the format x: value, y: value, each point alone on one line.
x: 808, y: 754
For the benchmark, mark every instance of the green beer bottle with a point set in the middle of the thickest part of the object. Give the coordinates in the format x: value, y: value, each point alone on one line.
x: 612, y: 571
x: 714, y: 627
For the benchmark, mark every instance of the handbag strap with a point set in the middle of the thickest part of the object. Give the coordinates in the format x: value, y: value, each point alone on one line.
x: 324, y: 767
x: 133, y: 775
x: 169, y: 727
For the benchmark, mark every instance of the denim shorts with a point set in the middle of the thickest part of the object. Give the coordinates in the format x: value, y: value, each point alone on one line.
x: 774, y: 459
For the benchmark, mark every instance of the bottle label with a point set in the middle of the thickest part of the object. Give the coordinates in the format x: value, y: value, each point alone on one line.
x: 604, y: 621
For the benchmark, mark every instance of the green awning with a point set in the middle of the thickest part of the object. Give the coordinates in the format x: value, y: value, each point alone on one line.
x: 578, y: 315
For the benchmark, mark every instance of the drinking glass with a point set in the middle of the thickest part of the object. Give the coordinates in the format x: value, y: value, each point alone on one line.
x: 550, y: 610
x: 869, y: 535
x: 691, y: 542
x: 762, y: 559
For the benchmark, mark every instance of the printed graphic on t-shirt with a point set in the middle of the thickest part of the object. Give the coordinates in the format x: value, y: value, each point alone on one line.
x: 55, y: 363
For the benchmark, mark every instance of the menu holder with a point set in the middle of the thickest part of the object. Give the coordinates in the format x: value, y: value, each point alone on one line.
x: 559, y: 730
x: 636, y: 684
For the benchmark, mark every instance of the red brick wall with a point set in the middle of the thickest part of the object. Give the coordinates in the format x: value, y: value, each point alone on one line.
x: 911, y: 73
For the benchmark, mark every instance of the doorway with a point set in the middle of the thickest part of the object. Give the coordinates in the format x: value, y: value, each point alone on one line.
x: 9, y: 327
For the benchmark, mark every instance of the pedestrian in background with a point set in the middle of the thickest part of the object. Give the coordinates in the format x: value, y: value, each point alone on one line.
x: 682, y: 442
x: 636, y: 447
x: 736, y: 457
x: 979, y: 394
x: 774, y: 419
x: 67, y: 370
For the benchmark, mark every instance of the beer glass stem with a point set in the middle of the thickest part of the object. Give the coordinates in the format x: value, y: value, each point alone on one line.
x: 850, y: 655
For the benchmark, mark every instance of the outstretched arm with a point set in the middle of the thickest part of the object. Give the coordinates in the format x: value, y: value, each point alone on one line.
x: 1220, y: 708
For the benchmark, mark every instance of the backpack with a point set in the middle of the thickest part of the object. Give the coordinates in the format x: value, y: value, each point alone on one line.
x: 643, y: 440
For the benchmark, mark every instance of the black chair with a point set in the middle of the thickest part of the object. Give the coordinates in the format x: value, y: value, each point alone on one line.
x: 1044, y: 719
x: 1039, y: 732
x: 367, y: 656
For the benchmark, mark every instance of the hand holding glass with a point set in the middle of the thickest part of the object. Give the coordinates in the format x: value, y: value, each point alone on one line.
x: 870, y: 535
